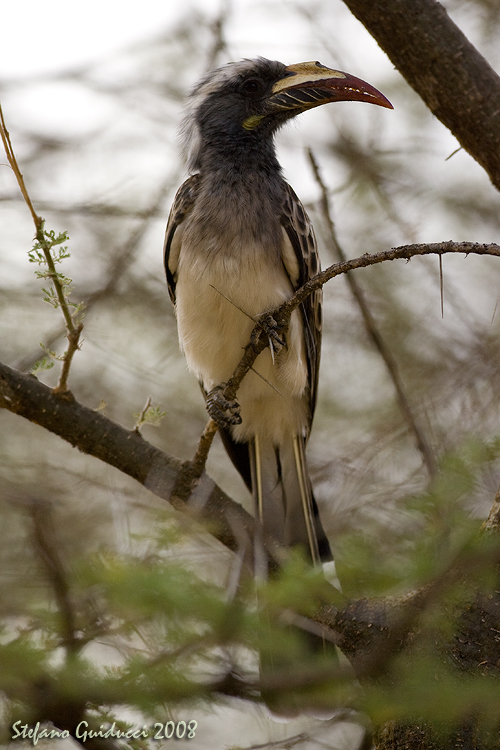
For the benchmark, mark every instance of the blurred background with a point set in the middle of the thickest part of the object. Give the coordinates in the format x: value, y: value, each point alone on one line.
x: 92, y: 96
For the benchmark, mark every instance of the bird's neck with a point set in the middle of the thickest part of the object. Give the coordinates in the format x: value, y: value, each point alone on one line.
x: 241, y: 193
x: 240, y: 154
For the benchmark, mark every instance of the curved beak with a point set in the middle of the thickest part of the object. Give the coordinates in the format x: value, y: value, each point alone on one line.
x: 310, y: 84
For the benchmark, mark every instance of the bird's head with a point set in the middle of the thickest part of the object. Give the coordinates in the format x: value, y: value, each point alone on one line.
x: 251, y: 99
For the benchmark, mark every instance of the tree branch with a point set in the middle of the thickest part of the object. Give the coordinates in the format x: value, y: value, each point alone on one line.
x: 444, y: 68
x: 48, y: 552
x: 283, y: 313
x: 45, y: 242
x: 373, y: 330
x: 97, y: 435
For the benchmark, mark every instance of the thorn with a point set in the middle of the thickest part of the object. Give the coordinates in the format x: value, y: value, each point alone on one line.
x: 496, y: 308
x: 441, y: 284
x: 266, y: 381
x: 233, y: 303
x: 271, y: 347
x: 453, y: 153
x: 254, y: 319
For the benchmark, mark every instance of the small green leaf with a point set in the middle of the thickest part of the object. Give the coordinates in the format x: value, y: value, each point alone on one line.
x: 43, y: 364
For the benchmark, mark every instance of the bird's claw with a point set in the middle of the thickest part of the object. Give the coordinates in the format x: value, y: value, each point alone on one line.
x: 272, y: 329
x: 222, y: 411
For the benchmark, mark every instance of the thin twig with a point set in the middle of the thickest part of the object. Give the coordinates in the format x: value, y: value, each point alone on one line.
x: 441, y: 284
x: 406, y: 252
x: 15, y: 168
x: 141, y: 417
x: 218, y: 42
x: 283, y: 313
x: 233, y: 303
x: 190, y: 472
x: 204, y: 444
x: 73, y: 331
x: 121, y: 258
x: 373, y: 330
x: 47, y: 548
x: 73, y: 336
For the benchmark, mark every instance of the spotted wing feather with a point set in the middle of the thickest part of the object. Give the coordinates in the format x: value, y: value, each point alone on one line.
x: 183, y: 203
x: 299, y: 230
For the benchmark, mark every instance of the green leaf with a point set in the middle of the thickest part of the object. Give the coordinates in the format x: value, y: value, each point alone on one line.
x: 43, y: 364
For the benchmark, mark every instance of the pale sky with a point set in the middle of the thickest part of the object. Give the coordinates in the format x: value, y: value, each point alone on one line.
x: 43, y: 36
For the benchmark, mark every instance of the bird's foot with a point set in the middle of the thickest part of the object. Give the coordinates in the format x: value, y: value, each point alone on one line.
x: 222, y: 411
x: 273, y: 330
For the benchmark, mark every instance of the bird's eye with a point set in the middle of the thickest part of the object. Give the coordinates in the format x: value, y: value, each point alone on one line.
x: 252, y: 87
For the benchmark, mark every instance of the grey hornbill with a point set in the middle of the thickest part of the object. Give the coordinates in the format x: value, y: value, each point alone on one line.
x: 238, y: 243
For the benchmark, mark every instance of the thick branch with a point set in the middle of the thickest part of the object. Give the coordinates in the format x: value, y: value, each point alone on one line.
x: 97, y: 435
x: 444, y: 68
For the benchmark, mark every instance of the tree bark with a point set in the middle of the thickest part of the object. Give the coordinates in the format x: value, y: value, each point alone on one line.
x: 454, y: 80
x: 97, y: 435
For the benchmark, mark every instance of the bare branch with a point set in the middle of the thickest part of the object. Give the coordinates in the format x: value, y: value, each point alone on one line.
x: 191, y: 471
x: 218, y: 44
x: 45, y: 245
x: 47, y: 548
x: 201, y: 455
x: 454, y: 80
x: 122, y: 256
x: 406, y: 252
x: 97, y: 435
x: 373, y: 330
x: 73, y: 335
x: 283, y: 313
x: 15, y: 168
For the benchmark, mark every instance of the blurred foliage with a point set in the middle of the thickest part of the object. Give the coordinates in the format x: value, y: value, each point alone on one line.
x: 153, y: 606
x: 147, y: 631
x: 440, y: 525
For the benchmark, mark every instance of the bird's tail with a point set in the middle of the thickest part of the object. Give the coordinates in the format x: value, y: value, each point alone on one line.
x: 284, y: 503
x: 286, y: 509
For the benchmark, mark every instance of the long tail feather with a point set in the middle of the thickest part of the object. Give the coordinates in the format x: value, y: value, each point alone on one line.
x: 284, y: 503
x: 286, y: 509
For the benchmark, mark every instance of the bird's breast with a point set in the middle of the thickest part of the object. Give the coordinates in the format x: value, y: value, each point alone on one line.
x: 219, y: 293
x: 230, y: 271
x: 218, y: 296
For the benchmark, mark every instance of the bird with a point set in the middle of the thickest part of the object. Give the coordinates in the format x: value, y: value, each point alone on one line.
x: 238, y: 243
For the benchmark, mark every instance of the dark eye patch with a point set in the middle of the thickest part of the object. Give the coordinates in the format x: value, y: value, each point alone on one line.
x: 252, y: 87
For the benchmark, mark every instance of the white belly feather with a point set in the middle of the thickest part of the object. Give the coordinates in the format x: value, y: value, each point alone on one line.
x: 213, y: 293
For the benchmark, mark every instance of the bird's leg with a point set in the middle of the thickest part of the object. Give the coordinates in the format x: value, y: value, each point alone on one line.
x: 222, y: 411
x: 271, y: 328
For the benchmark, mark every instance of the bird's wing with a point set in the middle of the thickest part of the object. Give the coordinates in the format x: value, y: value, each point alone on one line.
x: 182, y: 205
x: 301, y: 261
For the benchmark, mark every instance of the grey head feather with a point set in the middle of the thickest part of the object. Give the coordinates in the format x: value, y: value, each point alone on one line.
x: 189, y: 133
